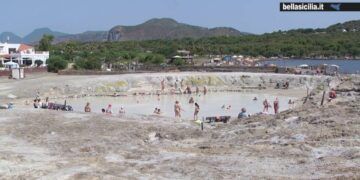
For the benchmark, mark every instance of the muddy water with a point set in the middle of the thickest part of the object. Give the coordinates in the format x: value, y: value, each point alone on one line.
x: 210, y: 104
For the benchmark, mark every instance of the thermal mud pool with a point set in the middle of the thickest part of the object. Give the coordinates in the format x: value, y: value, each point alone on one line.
x: 211, y: 104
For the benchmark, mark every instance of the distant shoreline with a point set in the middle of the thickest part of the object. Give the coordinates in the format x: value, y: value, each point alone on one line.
x: 299, y: 59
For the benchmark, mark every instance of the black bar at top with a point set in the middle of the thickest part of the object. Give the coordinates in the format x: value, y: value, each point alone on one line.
x: 326, y: 6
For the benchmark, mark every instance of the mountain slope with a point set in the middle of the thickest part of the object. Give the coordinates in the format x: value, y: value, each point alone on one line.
x: 10, y: 37
x: 88, y: 36
x: 166, y: 28
x: 348, y: 26
x: 37, y: 34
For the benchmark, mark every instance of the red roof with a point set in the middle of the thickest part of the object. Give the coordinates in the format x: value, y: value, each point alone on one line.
x: 24, y: 47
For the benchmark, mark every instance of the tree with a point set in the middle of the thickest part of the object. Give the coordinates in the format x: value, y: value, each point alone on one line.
x: 56, y: 63
x: 69, y: 50
x: 45, y: 42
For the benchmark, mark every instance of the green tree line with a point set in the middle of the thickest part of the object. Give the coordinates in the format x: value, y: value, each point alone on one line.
x: 303, y: 43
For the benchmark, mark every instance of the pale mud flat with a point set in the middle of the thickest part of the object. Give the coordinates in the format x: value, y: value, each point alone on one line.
x: 307, y: 142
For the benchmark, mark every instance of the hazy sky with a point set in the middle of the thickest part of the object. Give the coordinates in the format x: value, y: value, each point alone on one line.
x: 74, y: 16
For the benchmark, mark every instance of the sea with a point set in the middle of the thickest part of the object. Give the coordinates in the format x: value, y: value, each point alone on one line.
x: 346, y: 66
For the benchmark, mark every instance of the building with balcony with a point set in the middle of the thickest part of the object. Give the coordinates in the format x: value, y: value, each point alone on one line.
x: 22, y: 54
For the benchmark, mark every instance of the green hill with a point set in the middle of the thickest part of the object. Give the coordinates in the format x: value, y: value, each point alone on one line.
x: 166, y: 28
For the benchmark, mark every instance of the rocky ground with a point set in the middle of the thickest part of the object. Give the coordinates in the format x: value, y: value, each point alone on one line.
x: 308, y: 142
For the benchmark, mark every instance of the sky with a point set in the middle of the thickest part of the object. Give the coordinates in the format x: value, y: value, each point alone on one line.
x: 75, y: 16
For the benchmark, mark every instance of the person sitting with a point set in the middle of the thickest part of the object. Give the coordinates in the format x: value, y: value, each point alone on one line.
x: 36, y: 104
x: 122, y: 110
x: 286, y: 85
x: 187, y: 90
x: 332, y: 94
x: 277, y: 86
x: 191, y: 101
x: 158, y: 111
x: 242, y: 114
x: 229, y: 107
x: 87, y: 107
x: 223, y: 106
x: 108, y: 109
x: 45, y: 104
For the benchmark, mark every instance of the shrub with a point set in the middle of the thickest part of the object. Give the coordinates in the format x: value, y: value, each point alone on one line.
x: 90, y: 64
x: 157, y: 59
x: 178, y: 62
x: 152, y: 59
x: 56, y: 63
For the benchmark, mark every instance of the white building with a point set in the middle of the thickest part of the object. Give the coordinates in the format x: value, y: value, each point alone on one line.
x: 22, y: 54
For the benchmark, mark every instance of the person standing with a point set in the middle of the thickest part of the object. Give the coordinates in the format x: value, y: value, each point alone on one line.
x: 197, y: 110
x: 276, y: 106
x: 163, y: 85
x: 87, y: 107
x: 177, y: 109
x: 266, y: 105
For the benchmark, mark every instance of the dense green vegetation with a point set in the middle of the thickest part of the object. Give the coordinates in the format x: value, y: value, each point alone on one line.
x: 56, y: 63
x: 301, y: 43
x: 45, y: 42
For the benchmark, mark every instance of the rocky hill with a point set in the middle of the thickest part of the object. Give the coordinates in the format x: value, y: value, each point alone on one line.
x: 37, y: 34
x: 163, y: 28
x: 88, y: 36
x: 166, y: 28
x: 10, y: 37
x: 349, y: 26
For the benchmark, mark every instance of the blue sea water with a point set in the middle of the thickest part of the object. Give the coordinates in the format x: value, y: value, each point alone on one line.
x: 346, y: 66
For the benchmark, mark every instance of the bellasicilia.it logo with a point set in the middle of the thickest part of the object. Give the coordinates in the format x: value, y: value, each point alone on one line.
x: 319, y: 6
x: 302, y: 6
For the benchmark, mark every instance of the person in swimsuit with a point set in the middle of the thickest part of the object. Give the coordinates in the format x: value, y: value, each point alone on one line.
x: 276, y: 106
x: 197, y: 110
x: 163, y: 85
x: 108, y: 109
x: 266, y: 105
x: 177, y: 109
x: 87, y: 107
x: 191, y: 100
x: 205, y: 90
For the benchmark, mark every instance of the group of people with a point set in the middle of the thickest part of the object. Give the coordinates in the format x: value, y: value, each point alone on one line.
x: 178, y: 109
x: 179, y: 88
x: 107, y: 110
x: 40, y: 104
x: 267, y: 105
x: 157, y: 111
